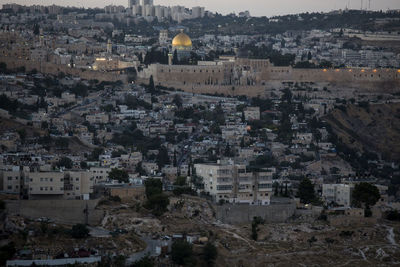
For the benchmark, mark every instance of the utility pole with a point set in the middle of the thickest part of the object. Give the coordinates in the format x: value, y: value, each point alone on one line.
x: 86, y: 212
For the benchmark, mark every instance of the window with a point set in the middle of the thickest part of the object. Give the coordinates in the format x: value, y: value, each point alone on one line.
x: 77, y: 179
x: 9, y: 187
x: 224, y: 187
x: 41, y: 189
x: 264, y: 185
x: 51, y: 179
x: 9, y: 178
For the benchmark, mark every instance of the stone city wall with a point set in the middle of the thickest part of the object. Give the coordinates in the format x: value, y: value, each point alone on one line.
x: 254, y: 79
x: 55, y: 69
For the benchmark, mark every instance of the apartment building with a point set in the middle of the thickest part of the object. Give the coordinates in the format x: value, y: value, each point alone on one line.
x: 232, y: 183
x: 337, y: 193
x: 12, y: 182
x: 78, y: 185
x: 100, y: 174
x: 46, y: 184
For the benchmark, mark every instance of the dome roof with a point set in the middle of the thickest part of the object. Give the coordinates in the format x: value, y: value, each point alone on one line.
x: 182, y: 40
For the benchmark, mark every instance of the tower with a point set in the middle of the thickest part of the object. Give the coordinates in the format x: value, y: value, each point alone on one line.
x: 109, y: 47
x: 147, y: 2
x: 132, y: 3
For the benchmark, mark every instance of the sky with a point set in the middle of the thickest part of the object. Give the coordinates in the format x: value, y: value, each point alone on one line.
x: 256, y: 7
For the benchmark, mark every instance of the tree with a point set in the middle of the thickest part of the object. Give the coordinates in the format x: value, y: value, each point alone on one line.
x: 210, y: 254
x: 180, y: 181
x: 65, y: 162
x: 365, y: 194
x: 153, y: 187
x: 151, y: 84
x: 162, y: 157
x: 175, y: 60
x: 83, y: 165
x: 6, y: 253
x: 158, y: 203
x: 96, y: 153
x: 182, y: 253
x: 120, y: 175
x: 36, y: 29
x: 276, y: 188
x: 79, y: 231
x: 306, y: 191
x: 177, y: 101
x: 44, y: 125
x: 22, y: 134
x: 144, y: 262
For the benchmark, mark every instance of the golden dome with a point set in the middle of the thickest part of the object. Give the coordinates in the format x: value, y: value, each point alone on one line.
x: 182, y: 40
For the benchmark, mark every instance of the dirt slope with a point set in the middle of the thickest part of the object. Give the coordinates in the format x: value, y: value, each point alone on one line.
x: 374, y: 128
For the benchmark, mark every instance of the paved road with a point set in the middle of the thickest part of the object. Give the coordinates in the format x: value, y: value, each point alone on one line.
x: 150, y: 250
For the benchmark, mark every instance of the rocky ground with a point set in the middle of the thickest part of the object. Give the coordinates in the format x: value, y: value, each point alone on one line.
x: 286, y: 244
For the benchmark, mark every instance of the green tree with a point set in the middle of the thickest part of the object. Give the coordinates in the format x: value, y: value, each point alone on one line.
x: 182, y: 253
x: 180, y: 181
x: 175, y: 60
x: 306, y: 191
x: 96, y: 153
x: 210, y: 254
x: 22, y: 134
x: 162, y: 157
x: 144, y: 262
x: 151, y: 84
x: 36, y: 29
x: 365, y: 194
x: 6, y: 253
x: 178, y: 101
x: 83, y: 165
x: 153, y: 187
x: 79, y: 231
x: 120, y: 175
x: 158, y: 203
x: 65, y: 162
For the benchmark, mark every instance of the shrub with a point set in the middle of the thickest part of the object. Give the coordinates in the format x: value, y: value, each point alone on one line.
x: 79, y: 231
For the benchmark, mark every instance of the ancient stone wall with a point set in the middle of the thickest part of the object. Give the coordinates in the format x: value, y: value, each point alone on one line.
x: 254, y: 77
x: 55, y: 69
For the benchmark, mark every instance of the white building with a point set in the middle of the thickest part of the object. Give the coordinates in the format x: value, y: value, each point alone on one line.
x: 337, y: 193
x: 232, y: 183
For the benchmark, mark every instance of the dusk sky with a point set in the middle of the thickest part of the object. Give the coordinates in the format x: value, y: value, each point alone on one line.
x: 256, y: 7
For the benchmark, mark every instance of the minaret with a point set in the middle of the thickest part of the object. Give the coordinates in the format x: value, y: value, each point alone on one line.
x: 170, y: 56
x: 109, y: 47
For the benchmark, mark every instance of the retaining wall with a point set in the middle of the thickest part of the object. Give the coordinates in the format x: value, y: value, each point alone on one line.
x: 60, y: 211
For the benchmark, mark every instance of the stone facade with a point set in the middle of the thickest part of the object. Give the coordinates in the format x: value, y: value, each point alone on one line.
x: 237, y: 76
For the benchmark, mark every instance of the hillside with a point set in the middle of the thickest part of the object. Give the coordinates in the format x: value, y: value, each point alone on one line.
x: 373, y: 128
